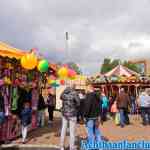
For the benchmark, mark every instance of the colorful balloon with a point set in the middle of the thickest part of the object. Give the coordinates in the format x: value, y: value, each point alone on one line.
x: 55, y: 84
x: 62, y: 82
x: 71, y: 74
x: 63, y: 72
x: 73, y: 78
x: 49, y: 81
x: 43, y: 65
x: 29, y: 61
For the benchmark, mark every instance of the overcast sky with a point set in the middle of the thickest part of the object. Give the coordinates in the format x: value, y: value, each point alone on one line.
x: 97, y: 29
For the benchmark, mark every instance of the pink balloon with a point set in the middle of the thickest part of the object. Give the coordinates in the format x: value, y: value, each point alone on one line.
x: 71, y: 73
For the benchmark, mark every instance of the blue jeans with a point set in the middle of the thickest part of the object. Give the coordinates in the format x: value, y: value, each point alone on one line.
x: 133, y: 108
x: 122, y: 117
x: 93, y: 131
x: 2, y: 118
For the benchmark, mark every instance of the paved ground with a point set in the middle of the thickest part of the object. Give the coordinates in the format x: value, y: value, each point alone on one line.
x: 51, y: 135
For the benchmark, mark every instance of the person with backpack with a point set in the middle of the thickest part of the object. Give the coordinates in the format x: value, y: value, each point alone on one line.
x: 104, y: 104
x: 70, y: 105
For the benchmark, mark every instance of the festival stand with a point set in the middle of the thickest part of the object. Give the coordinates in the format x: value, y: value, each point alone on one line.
x: 112, y: 81
x: 13, y: 77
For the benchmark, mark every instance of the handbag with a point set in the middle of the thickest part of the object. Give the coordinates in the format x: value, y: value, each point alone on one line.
x: 117, y: 119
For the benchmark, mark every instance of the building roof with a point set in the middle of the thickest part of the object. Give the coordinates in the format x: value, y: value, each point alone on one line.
x: 121, y: 71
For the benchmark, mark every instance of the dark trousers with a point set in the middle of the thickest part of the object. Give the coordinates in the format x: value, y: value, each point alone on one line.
x: 124, y: 118
x: 104, y: 114
x: 51, y: 112
x: 145, y: 114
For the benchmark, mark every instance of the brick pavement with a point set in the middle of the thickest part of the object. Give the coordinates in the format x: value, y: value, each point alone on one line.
x: 51, y: 135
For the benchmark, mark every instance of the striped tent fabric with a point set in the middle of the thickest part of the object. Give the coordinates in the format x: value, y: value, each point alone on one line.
x: 121, y: 71
x: 11, y: 52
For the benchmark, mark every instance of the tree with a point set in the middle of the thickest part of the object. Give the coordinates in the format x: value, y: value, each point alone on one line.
x: 132, y: 66
x: 109, y: 64
x: 75, y: 67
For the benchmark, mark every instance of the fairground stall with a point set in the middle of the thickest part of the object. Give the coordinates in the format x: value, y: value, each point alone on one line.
x: 119, y: 77
x: 20, y: 80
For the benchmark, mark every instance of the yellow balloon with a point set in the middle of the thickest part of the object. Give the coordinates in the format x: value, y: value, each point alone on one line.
x: 73, y: 78
x: 49, y: 81
x: 63, y: 72
x: 29, y: 61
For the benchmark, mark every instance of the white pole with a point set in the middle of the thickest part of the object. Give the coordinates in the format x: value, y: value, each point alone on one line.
x: 67, y: 46
x: 67, y: 53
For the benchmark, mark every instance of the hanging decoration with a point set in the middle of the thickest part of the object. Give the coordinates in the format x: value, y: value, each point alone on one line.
x: 43, y: 65
x: 63, y: 72
x: 55, y: 84
x: 62, y: 82
x: 1, y: 82
x: 29, y: 61
x: 72, y: 74
x: 7, y: 80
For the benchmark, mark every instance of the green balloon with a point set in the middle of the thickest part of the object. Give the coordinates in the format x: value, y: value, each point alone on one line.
x: 43, y: 65
x: 55, y: 84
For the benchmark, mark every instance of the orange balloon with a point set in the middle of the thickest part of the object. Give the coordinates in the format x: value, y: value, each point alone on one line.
x: 29, y: 61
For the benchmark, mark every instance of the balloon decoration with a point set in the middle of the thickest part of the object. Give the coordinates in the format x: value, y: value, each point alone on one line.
x: 49, y: 81
x: 29, y: 61
x: 62, y: 82
x: 63, y: 72
x: 43, y: 65
x: 72, y: 74
x: 82, y: 77
x: 55, y: 84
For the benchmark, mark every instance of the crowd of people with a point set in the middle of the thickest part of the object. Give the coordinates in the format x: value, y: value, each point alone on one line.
x: 90, y: 107
x: 94, y: 108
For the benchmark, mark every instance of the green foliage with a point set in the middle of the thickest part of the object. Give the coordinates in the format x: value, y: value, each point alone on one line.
x: 75, y: 67
x: 109, y: 64
x: 132, y: 66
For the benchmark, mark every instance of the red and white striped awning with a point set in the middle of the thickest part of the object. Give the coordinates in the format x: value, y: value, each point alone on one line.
x: 121, y: 71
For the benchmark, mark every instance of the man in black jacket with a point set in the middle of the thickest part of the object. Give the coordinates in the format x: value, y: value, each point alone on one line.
x: 91, y: 114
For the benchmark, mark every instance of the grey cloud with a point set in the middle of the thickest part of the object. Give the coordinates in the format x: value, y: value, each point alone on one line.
x: 97, y: 29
